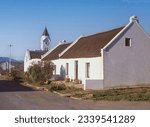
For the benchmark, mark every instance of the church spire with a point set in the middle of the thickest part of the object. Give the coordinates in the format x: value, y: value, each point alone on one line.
x: 45, y: 40
x: 45, y: 33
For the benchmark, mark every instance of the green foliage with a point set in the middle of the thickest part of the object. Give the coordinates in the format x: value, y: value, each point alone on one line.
x: 14, y: 75
x: 35, y: 73
x: 40, y: 73
x: 56, y: 87
x: 16, y: 72
x: 47, y: 70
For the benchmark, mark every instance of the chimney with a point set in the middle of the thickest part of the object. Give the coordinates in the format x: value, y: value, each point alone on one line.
x: 63, y: 41
x: 134, y: 19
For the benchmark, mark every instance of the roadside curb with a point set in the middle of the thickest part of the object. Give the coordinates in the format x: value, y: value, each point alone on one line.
x: 36, y: 87
x: 63, y: 95
x: 67, y: 95
x: 45, y: 89
x: 75, y: 98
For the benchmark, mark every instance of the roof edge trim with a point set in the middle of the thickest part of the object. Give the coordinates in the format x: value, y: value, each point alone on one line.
x: 115, y: 37
x: 62, y: 53
x: 47, y: 53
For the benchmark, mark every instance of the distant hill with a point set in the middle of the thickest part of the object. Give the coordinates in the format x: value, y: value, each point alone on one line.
x: 6, y: 59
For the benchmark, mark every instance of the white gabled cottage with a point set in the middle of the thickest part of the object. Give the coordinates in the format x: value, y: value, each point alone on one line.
x: 31, y: 58
x: 115, y: 58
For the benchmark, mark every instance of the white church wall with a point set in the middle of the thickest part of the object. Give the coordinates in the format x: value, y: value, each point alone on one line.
x: 45, y: 42
x: 29, y: 63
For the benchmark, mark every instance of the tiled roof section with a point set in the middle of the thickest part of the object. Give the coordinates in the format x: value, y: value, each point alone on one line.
x: 90, y: 46
x: 36, y: 54
x: 45, y: 32
x: 55, y: 53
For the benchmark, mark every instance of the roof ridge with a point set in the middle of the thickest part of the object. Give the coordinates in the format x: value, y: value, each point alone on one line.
x: 104, y: 31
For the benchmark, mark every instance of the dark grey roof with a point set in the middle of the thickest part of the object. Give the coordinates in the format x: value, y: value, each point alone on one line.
x: 45, y: 32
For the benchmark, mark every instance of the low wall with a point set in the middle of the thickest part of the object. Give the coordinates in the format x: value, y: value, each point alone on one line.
x: 94, y: 84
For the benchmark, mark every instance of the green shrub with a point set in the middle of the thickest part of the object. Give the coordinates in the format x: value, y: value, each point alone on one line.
x: 35, y: 73
x: 14, y: 75
x: 56, y: 87
x: 40, y: 73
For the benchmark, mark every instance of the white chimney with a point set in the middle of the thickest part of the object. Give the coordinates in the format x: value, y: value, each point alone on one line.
x: 134, y: 19
x: 63, y: 41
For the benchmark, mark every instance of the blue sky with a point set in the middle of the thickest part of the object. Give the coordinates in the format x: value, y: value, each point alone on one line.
x: 22, y: 21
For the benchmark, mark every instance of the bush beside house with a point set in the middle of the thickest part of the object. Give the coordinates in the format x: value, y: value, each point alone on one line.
x: 40, y: 73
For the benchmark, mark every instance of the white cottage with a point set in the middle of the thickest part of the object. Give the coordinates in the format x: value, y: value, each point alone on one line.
x: 115, y: 58
x: 34, y: 56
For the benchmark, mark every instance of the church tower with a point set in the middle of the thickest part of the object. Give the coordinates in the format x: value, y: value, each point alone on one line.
x: 45, y: 40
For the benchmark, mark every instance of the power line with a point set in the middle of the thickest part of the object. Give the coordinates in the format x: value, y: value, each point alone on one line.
x: 10, y: 59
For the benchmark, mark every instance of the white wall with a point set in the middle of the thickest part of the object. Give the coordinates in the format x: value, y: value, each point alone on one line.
x: 128, y: 65
x: 45, y: 45
x: 96, y: 69
x: 29, y: 62
x: 60, y: 67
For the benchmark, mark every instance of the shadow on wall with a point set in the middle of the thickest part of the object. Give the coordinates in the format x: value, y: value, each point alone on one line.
x: 62, y: 73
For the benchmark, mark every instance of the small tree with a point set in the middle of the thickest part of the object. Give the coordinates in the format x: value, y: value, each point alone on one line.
x: 41, y: 72
x: 35, y: 73
x: 1, y: 70
x: 47, y: 70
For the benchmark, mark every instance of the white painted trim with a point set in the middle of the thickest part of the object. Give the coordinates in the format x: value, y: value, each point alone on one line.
x: 118, y: 35
x: 47, y: 53
x: 70, y: 45
x: 28, y: 53
x: 124, y: 30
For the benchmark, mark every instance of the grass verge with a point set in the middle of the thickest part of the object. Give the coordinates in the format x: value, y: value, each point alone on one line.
x: 122, y: 94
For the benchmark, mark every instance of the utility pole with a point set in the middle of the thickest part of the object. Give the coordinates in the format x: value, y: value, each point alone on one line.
x: 10, y: 59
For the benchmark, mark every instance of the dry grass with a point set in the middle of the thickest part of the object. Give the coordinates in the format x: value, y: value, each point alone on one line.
x: 128, y: 94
